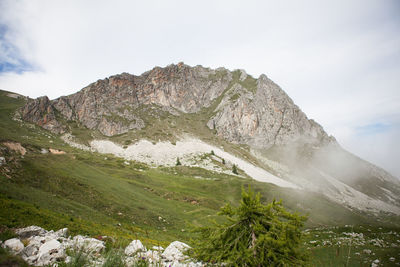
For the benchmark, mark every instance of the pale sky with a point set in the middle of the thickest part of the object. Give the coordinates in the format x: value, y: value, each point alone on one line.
x: 338, y: 60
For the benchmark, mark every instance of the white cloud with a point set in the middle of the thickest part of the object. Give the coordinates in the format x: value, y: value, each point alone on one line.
x: 338, y: 60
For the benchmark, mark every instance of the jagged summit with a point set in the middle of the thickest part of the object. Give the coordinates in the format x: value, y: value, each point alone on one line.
x: 241, y: 109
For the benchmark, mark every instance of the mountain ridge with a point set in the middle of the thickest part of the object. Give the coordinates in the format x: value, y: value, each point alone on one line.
x: 252, y: 111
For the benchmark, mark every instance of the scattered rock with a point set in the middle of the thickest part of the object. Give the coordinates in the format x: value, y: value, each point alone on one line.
x: 15, y: 147
x: 2, y: 160
x: 50, y: 252
x: 62, y: 232
x: 44, y: 151
x: 134, y: 247
x: 48, y: 248
x: 89, y: 245
x: 367, y: 251
x: 174, y: 252
x: 30, y: 250
x: 30, y: 231
x: 375, y: 263
x: 14, y: 244
x: 56, y: 152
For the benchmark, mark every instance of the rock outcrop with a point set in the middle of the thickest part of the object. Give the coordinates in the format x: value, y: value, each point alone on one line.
x: 251, y: 111
x: 48, y: 248
x: 134, y: 247
x: 265, y: 117
x: 42, y: 112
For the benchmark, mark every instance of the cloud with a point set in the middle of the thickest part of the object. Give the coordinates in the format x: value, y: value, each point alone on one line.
x: 10, y: 59
x: 338, y: 60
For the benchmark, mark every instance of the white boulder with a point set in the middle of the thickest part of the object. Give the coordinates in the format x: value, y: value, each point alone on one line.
x: 30, y: 250
x: 50, y: 252
x: 134, y: 247
x: 62, y: 232
x: 14, y: 244
x: 174, y: 252
x: 88, y: 244
x: 29, y: 231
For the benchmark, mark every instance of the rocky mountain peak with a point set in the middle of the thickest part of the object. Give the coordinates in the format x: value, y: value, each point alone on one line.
x: 250, y: 111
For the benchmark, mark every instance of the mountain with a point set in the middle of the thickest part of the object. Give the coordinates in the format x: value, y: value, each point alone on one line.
x: 250, y: 111
x: 206, y: 107
x: 146, y: 157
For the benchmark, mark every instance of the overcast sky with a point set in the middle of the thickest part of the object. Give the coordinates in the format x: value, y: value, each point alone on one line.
x: 338, y: 60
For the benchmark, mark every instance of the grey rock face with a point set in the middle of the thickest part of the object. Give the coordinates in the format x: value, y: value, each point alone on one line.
x: 110, y: 105
x: 261, y: 116
x: 264, y: 118
x: 41, y: 112
x: 29, y: 231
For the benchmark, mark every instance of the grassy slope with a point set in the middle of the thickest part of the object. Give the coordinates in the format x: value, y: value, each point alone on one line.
x: 96, y: 196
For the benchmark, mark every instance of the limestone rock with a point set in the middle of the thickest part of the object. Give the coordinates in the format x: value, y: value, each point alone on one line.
x: 14, y: 244
x: 109, y: 105
x: 50, y: 252
x: 30, y: 250
x: 30, y: 231
x: 134, y: 247
x: 264, y: 118
x: 89, y: 245
x: 174, y: 252
x: 62, y: 232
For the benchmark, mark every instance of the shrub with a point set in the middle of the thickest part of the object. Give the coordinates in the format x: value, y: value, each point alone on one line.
x: 253, y: 235
x: 234, y: 169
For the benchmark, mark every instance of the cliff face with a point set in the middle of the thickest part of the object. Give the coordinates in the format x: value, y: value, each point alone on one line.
x: 264, y: 117
x: 42, y: 112
x: 249, y: 111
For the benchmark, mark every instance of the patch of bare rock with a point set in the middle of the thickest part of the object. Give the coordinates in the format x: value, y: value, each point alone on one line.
x: 39, y: 247
x: 17, y: 147
x: 56, y: 151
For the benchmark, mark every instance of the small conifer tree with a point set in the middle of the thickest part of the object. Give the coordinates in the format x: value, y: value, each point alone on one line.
x: 234, y: 169
x: 253, y: 235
